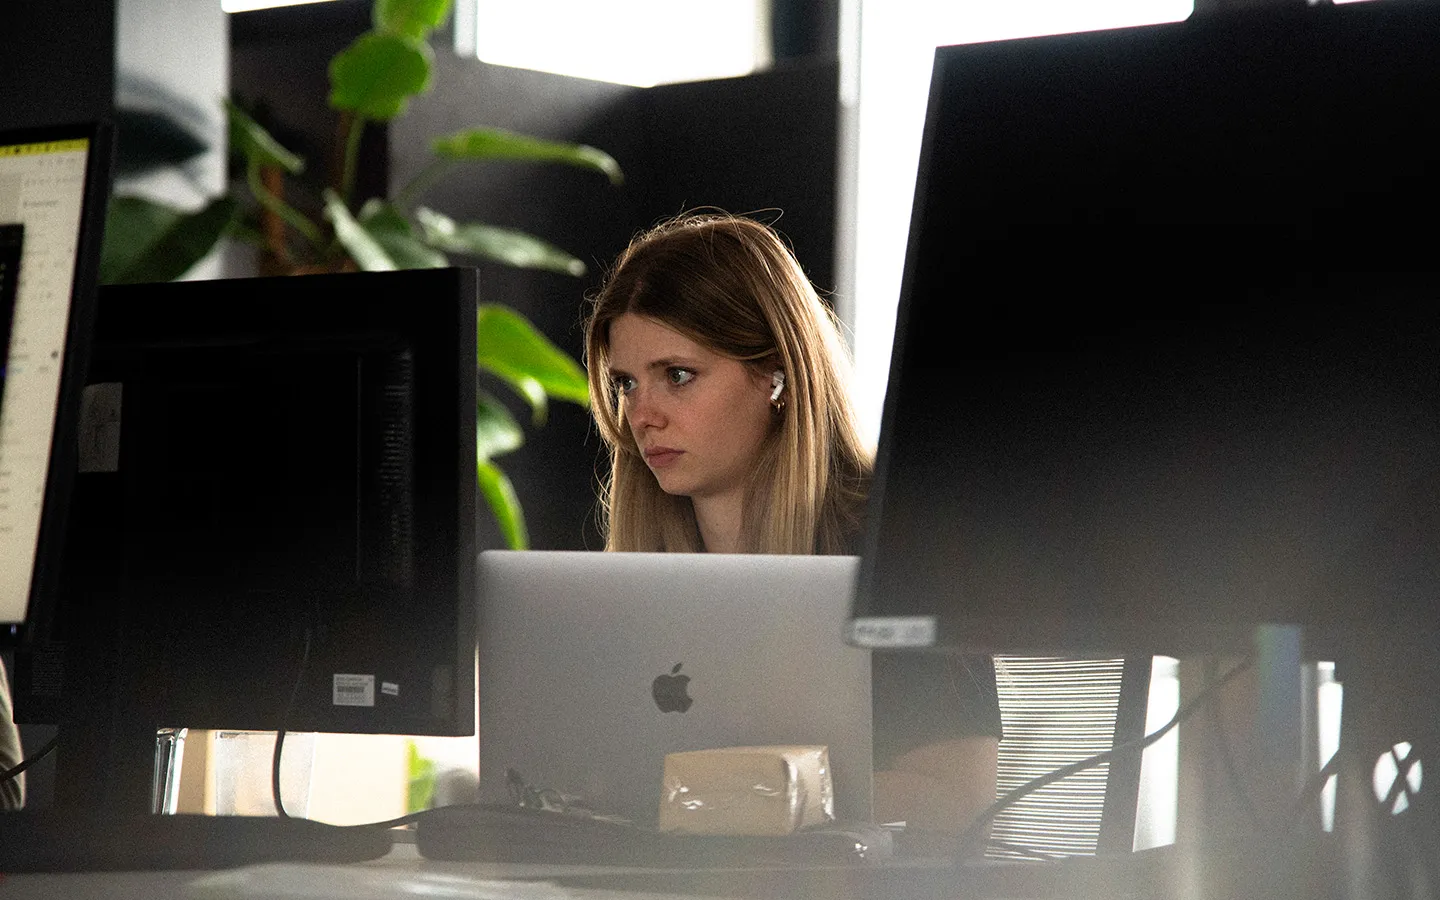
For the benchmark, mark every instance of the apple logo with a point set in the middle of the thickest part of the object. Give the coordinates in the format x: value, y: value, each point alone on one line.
x: 670, y: 691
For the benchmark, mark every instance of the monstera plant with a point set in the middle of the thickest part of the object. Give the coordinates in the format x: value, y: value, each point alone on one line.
x: 372, y: 80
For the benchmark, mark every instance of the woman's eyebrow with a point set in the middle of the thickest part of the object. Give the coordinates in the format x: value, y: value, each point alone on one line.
x: 663, y: 362
x: 668, y: 361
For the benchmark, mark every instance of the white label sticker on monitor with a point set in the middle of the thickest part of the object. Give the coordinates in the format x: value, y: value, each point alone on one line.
x: 354, y: 690
x: 100, y: 407
x: 893, y: 631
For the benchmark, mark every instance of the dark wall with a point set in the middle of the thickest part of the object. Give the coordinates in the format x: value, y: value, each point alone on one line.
x: 804, y: 28
x: 57, y: 62
x: 762, y: 142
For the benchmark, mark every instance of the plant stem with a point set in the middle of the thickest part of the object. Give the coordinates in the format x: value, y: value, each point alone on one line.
x: 416, y: 186
x: 292, y: 217
x: 352, y: 157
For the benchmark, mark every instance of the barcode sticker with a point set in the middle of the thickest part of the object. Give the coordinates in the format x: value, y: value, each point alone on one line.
x: 880, y: 632
x: 353, y: 690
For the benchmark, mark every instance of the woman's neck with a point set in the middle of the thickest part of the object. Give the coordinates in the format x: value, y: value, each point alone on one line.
x: 720, y: 519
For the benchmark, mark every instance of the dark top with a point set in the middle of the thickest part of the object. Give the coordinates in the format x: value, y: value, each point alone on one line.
x: 921, y: 698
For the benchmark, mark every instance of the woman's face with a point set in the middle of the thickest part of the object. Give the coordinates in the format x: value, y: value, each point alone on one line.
x: 698, y: 418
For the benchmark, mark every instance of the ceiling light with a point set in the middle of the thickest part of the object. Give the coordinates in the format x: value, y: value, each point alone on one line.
x: 236, y: 6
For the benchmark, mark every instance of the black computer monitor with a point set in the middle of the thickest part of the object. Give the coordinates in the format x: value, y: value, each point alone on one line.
x: 273, y: 525
x: 1165, y: 364
x: 53, y: 187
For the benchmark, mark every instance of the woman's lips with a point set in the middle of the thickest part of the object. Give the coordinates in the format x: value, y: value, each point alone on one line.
x: 660, y: 457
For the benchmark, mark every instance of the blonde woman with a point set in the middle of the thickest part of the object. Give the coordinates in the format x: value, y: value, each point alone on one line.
x: 715, y: 381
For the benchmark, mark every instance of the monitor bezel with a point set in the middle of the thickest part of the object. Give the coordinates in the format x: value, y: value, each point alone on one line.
x: 84, y: 284
x: 132, y: 318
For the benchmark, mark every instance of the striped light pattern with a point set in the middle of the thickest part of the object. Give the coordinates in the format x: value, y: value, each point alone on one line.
x: 1055, y: 712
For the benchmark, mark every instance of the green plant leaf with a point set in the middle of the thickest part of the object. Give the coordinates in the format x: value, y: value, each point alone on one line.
x: 249, y: 139
x: 147, y: 241
x: 496, y: 431
x: 415, y: 18
x: 359, y: 243
x: 421, y: 783
x: 245, y: 231
x: 499, y: 492
x: 497, y: 143
x: 392, y: 231
x: 529, y: 388
x: 377, y: 74
x: 512, y: 348
x: 132, y: 226
x: 502, y: 245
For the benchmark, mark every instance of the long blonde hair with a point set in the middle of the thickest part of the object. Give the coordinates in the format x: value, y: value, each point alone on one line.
x: 730, y: 284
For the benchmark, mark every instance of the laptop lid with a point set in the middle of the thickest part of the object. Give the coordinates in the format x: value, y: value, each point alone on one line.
x: 573, y: 644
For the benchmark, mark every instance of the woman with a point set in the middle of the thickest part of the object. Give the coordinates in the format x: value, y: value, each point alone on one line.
x: 715, y: 381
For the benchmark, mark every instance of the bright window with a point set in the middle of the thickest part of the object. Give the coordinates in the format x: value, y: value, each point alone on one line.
x: 639, y: 42
x: 238, y: 6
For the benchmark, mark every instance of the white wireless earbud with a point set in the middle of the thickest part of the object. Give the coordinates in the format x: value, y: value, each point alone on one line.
x: 777, y: 381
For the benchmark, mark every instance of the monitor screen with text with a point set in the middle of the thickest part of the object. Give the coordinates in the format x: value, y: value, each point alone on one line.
x: 43, y: 194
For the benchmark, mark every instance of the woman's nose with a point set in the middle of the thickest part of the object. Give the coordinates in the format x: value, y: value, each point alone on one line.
x: 642, y: 409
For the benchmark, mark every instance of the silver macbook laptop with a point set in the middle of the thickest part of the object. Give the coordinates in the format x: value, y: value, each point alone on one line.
x: 593, y: 666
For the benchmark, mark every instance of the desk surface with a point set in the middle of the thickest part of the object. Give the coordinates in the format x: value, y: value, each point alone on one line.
x: 405, y: 874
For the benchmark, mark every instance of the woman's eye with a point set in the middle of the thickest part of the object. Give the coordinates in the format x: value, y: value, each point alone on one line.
x: 624, y: 384
x: 680, y: 376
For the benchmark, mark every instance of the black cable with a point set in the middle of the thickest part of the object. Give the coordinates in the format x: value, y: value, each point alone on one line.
x: 280, y: 734
x: 972, y: 835
x: 15, y: 770
x: 1312, y: 788
x: 399, y: 820
x: 275, y: 774
x: 279, y: 749
x: 1028, y: 852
